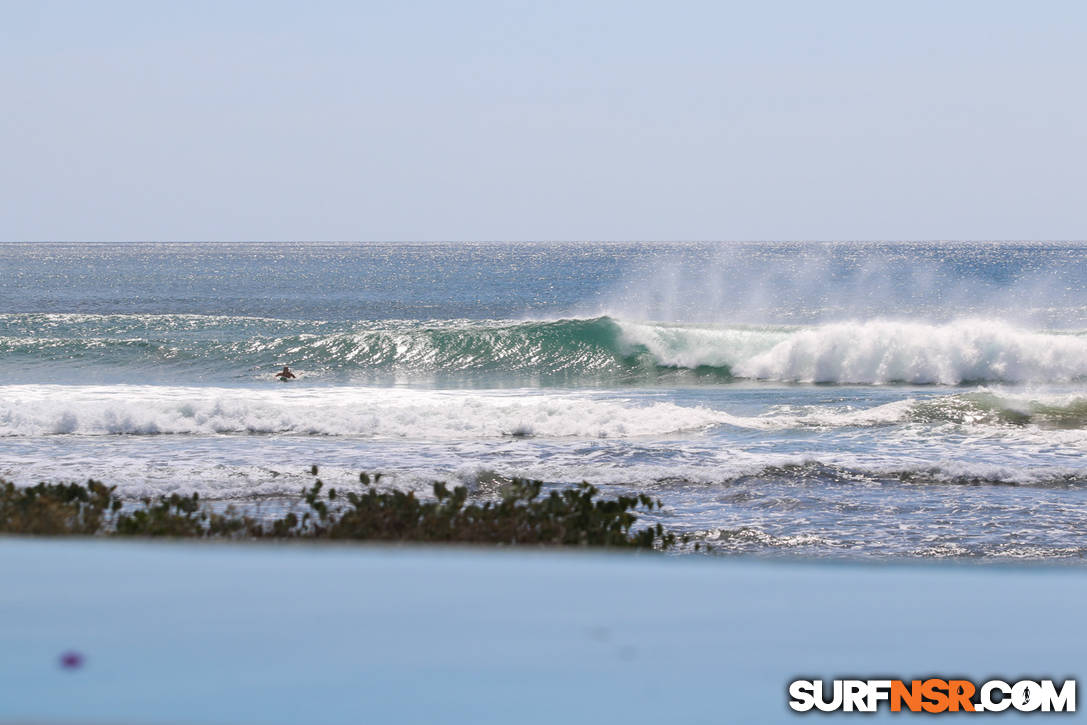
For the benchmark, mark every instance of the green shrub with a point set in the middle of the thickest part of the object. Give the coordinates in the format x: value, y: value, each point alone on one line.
x: 56, y: 508
x: 575, y: 516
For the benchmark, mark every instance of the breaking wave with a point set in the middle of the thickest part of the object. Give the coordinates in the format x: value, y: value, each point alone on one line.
x: 601, y: 349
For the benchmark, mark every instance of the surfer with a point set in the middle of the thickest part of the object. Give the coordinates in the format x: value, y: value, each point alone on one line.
x: 286, y: 374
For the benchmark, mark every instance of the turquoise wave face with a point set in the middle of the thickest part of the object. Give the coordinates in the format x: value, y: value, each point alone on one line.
x: 232, y: 349
x: 987, y: 408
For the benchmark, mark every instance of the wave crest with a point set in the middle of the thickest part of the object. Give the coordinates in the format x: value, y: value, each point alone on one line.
x: 906, y: 352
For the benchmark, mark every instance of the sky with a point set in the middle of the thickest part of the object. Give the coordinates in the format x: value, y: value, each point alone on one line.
x: 413, y: 120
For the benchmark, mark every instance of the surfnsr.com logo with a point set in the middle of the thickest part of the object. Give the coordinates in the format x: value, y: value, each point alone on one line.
x: 932, y: 695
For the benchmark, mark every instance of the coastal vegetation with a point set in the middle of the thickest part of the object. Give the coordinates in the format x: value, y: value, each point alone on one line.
x: 520, y: 514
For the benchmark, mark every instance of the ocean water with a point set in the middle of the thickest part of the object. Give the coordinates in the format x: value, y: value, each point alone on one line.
x: 871, y: 400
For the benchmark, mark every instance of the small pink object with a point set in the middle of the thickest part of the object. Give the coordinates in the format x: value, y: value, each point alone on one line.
x: 71, y: 660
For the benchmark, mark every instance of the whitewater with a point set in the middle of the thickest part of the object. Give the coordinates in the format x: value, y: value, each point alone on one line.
x: 835, y: 400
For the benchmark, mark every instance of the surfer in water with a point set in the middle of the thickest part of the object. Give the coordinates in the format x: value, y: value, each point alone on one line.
x: 286, y: 374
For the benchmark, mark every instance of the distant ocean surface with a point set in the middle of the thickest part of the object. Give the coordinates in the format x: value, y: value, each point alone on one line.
x: 869, y: 400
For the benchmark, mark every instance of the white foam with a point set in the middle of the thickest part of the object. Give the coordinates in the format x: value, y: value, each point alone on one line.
x: 36, y: 410
x: 873, y: 351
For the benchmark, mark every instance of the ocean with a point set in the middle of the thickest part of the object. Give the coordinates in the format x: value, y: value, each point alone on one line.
x: 826, y: 400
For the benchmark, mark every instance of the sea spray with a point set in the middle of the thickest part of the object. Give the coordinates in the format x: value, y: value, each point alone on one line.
x: 812, y: 283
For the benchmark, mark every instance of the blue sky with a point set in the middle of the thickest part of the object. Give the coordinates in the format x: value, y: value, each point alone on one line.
x: 559, y: 120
